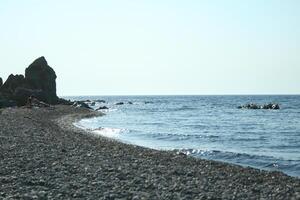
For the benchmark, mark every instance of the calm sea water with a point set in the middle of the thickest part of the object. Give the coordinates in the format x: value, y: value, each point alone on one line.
x: 209, y: 127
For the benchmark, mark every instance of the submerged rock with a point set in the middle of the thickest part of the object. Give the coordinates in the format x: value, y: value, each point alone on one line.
x: 120, y: 103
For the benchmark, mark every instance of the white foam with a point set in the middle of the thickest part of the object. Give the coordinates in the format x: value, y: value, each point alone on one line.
x: 108, y: 132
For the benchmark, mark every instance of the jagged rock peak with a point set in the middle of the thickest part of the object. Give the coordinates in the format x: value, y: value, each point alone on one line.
x: 12, y: 82
x: 40, y: 61
x: 39, y: 65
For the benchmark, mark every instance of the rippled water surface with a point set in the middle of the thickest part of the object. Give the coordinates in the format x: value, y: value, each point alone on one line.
x: 209, y: 127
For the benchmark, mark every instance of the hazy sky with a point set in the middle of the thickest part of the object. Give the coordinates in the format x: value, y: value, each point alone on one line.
x: 156, y: 46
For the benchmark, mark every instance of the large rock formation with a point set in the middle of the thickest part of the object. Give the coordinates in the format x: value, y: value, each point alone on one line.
x: 39, y: 82
x: 40, y: 76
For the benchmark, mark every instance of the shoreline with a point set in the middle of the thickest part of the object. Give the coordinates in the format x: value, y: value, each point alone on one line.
x: 182, y: 151
x: 45, y: 156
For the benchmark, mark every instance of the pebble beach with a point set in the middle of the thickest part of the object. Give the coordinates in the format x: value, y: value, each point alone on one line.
x: 44, y: 156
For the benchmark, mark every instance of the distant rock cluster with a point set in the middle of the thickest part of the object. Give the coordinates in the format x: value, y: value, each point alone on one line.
x: 39, y: 82
x: 270, y: 106
x: 90, y: 104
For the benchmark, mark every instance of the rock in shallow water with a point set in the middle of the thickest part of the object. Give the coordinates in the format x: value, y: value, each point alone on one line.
x: 102, y: 108
x: 271, y: 106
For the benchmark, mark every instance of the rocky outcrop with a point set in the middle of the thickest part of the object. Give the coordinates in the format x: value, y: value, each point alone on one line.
x: 1, y: 82
x: 21, y: 95
x: 12, y: 82
x: 39, y: 82
x: 7, y: 103
x: 40, y: 76
x: 271, y: 106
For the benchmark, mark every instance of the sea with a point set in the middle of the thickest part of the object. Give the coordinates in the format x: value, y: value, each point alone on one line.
x: 209, y: 127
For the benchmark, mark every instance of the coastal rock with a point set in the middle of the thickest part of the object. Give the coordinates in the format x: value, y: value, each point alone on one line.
x: 12, y: 82
x: 102, y: 108
x: 39, y: 82
x: 64, y: 102
x: 81, y: 104
x: 21, y: 95
x: 7, y: 103
x: 1, y: 82
x: 40, y: 76
x: 271, y: 106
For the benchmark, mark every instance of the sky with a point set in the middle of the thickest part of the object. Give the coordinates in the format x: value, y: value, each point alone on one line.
x: 156, y: 47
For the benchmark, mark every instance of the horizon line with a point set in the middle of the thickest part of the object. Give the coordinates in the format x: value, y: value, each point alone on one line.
x: 267, y: 94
